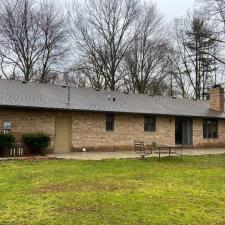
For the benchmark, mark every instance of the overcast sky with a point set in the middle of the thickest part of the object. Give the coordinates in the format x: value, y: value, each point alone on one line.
x: 174, y: 8
x: 169, y: 8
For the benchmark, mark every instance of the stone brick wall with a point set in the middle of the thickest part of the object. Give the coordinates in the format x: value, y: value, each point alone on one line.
x: 27, y: 121
x: 88, y: 129
x: 217, y: 99
x: 199, y: 141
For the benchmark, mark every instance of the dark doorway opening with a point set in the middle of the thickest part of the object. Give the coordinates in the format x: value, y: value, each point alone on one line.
x: 183, y: 131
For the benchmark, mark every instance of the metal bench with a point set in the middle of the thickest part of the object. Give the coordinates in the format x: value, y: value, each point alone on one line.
x: 141, y: 149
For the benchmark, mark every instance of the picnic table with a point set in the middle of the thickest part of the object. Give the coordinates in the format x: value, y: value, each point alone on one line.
x: 168, y: 149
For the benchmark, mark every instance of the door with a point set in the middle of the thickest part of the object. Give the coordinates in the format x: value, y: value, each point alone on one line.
x: 62, y: 135
x: 183, y: 134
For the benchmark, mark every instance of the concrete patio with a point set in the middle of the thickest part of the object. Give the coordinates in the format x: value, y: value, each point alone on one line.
x: 112, y: 155
x: 128, y: 154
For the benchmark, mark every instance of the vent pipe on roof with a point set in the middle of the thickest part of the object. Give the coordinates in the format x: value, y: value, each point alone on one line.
x: 68, y: 95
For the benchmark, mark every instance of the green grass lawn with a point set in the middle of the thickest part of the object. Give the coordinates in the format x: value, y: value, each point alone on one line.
x: 114, y: 192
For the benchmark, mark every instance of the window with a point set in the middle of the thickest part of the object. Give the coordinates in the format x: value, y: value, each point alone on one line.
x: 210, y: 128
x: 109, y: 121
x: 149, y: 125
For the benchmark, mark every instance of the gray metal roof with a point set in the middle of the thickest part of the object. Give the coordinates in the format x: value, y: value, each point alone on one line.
x: 35, y: 95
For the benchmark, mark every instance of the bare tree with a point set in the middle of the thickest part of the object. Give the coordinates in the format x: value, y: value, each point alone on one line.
x: 18, y: 36
x: 179, y: 81
x: 93, y: 72
x: 102, y: 29
x: 146, y: 59
x: 30, y: 36
x: 52, y: 27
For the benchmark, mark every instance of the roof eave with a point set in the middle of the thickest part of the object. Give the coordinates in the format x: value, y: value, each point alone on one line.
x: 102, y: 111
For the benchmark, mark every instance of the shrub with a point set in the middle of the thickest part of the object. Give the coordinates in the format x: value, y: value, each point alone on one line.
x: 6, y: 141
x: 36, y: 142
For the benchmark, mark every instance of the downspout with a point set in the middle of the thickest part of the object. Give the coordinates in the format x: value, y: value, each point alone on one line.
x: 68, y: 96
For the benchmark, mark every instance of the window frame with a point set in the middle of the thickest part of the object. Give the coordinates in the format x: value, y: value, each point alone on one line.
x: 210, y: 128
x: 150, y: 127
x: 110, y: 122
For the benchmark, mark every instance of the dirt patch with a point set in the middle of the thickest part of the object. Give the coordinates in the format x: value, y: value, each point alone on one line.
x: 78, y: 208
x: 86, y: 186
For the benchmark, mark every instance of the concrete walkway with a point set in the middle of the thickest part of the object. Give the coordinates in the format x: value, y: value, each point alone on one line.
x: 128, y: 154
x: 112, y: 155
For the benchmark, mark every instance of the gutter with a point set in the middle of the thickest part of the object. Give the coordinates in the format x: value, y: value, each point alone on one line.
x: 102, y: 111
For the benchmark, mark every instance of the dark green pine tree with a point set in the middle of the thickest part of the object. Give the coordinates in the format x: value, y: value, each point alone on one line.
x: 200, y: 44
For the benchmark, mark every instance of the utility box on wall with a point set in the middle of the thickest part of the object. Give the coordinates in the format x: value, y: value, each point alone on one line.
x: 7, y: 127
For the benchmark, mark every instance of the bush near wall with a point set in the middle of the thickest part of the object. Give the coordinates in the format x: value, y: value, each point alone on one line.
x: 6, y: 141
x: 36, y: 142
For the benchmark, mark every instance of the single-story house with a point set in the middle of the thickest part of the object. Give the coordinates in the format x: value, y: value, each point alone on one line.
x: 78, y: 118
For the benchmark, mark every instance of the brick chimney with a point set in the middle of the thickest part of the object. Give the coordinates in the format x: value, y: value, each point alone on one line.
x: 216, y: 94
